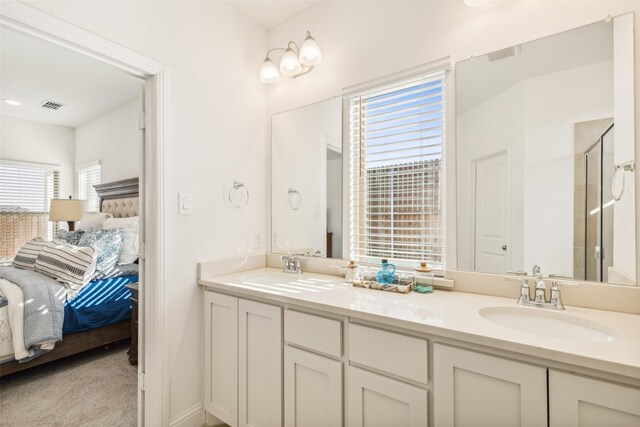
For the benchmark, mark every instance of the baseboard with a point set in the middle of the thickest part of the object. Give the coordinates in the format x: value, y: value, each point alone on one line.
x: 192, y: 417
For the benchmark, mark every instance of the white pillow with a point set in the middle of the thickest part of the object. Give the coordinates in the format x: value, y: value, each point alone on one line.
x: 93, y: 220
x: 131, y: 229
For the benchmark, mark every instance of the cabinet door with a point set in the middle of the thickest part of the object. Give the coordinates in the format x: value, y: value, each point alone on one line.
x: 377, y: 401
x: 473, y: 389
x: 260, y: 365
x: 221, y: 357
x: 578, y: 401
x: 312, y: 390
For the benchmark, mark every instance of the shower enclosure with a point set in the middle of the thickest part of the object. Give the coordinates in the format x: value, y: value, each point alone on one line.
x: 599, y: 202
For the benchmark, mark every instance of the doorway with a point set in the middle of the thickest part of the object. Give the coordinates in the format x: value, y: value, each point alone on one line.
x: 491, y: 216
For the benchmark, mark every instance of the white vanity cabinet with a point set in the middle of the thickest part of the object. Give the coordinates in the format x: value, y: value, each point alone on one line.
x: 221, y: 357
x: 475, y: 389
x: 242, y: 361
x: 313, y: 379
x: 388, y: 378
x: 585, y: 402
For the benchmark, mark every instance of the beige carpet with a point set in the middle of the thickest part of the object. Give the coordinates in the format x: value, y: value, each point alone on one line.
x: 95, y: 388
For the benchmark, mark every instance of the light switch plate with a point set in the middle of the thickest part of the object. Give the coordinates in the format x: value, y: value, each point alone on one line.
x: 185, y: 203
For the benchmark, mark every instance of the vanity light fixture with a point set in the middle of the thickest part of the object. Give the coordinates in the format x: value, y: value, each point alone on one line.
x: 12, y: 102
x: 296, y: 61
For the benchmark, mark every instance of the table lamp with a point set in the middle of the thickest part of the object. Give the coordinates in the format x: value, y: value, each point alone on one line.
x: 70, y: 210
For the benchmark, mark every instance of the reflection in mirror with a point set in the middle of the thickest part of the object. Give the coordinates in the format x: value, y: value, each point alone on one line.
x: 306, y: 180
x: 545, y: 163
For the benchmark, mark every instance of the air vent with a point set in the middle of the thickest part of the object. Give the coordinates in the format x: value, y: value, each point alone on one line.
x: 503, y: 53
x: 51, y: 105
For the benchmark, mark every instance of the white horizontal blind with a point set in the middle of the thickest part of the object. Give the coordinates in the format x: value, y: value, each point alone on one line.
x: 87, y: 178
x: 26, y: 191
x: 397, y: 173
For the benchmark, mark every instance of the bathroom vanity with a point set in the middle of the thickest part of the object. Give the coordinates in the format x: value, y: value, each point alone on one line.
x: 311, y: 350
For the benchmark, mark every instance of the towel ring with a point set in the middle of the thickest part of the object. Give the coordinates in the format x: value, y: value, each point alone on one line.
x: 629, y: 166
x: 295, y: 199
x: 238, y: 195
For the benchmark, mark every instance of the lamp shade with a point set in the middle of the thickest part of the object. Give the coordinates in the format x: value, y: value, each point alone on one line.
x: 66, y: 209
x: 269, y: 72
x: 310, y: 52
x: 290, y: 64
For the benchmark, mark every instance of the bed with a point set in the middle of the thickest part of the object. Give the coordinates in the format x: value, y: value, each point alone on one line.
x: 100, y: 314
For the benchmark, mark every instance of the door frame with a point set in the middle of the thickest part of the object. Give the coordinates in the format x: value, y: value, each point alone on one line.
x: 153, y: 373
x: 474, y: 195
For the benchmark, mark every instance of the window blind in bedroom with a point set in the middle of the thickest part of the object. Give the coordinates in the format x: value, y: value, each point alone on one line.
x: 397, y: 172
x: 26, y: 190
x: 89, y: 176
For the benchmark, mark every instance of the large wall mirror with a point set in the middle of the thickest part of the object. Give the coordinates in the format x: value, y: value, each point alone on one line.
x: 306, y: 180
x: 545, y: 156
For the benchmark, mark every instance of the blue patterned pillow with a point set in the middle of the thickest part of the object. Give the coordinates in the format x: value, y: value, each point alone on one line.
x: 71, y: 237
x: 108, y: 244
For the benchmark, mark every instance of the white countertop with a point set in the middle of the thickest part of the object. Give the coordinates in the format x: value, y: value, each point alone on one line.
x: 448, y: 314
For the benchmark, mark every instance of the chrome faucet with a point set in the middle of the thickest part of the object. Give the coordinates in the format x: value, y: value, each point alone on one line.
x: 540, y: 300
x: 292, y: 264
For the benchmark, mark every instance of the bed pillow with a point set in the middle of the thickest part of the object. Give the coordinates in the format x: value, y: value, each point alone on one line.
x: 69, y: 264
x: 93, y: 220
x: 28, y: 253
x: 130, y: 246
x: 108, y: 244
x: 71, y: 237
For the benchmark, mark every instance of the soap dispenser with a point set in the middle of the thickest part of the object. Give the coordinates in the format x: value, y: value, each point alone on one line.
x: 385, y: 274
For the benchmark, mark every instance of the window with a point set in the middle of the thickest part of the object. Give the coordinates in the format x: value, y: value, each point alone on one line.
x: 88, y: 176
x: 397, y: 173
x: 26, y: 190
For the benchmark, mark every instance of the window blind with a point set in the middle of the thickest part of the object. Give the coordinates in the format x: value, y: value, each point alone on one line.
x: 397, y: 173
x: 26, y: 191
x: 87, y: 178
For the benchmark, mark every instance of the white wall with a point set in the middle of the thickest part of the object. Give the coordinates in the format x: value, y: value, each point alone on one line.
x: 113, y: 138
x: 420, y: 32
x: 216, y: 119
x: 30, y: 141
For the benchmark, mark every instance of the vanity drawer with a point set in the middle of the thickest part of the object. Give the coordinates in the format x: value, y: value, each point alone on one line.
x: 313, y: 332
x: 393, y: 353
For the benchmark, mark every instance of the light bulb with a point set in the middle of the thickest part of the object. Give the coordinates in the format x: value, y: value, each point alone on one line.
x: 310, y: 51
x: 269, y: 72
x: 290, y: 64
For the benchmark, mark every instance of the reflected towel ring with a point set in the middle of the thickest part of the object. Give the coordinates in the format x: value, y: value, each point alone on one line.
x: 295, y: 199
x: 629, y: 166
x: 238, y: 195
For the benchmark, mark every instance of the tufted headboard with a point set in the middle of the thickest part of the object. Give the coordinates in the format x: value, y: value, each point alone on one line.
x: 119, y: 198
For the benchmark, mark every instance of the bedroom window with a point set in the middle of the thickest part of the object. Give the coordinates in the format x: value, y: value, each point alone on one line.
x: 26, y: 190
x: 88, y: 176
x: 397, y: 173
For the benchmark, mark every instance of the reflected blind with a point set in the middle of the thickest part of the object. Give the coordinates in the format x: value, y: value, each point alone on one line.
x: 397, y: 173
x: 87, y: 178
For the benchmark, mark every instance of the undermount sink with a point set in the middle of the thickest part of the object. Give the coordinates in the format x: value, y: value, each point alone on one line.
x: 551, y: 324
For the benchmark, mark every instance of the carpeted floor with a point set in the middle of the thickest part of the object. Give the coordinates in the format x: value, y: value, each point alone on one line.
x: 96, y: 388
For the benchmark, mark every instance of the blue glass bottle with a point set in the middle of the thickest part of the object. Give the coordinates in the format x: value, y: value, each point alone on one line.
x: 385, y: 275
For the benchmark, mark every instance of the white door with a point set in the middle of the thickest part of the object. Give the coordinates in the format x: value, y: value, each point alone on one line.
x: 492, y: 220
x: 476, y: 390
x: 260, y: 365
x: 577, y: 401
x: 312, y: 390
x: 378, y: 401
x: 221, y: 357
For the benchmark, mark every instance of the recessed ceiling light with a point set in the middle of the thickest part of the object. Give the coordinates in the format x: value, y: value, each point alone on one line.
x: 12, y: 102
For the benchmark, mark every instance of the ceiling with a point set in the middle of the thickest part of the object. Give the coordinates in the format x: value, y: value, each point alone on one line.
x: 267, y: 13
x: 33, y: 71
x: 479, y: 80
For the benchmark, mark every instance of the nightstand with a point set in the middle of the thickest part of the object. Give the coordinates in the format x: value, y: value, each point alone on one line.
x: 133, y: 351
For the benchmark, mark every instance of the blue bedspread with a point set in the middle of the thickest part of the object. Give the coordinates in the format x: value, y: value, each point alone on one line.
x: 99, y: 303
